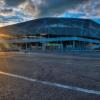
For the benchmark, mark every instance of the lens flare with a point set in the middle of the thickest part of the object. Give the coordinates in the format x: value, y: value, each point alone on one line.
x: 4, y: 45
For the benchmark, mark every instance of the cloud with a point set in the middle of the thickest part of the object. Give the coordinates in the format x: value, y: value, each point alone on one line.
x: 28, y: 9
x: 13, y: 3
x: 6, y: 11
x: 92, y: 9
x: 44, y: 8
x: 56, y: 7
x: 16, y: 17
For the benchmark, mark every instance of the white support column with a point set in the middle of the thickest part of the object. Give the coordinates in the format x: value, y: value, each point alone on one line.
x: 74, y: 44
x: 44, y: 46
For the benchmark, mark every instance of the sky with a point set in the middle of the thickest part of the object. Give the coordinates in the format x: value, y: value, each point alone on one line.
x: 15, y: 11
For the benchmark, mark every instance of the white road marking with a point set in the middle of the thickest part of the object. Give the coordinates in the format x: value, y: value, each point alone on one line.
x: 89, y: 91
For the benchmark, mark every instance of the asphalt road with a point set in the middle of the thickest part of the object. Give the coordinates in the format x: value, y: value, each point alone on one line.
x: 39, y: 76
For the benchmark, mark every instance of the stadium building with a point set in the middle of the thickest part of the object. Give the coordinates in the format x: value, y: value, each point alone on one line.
x: 58, y: 34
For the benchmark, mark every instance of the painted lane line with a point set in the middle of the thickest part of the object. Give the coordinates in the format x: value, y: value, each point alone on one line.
x: 89, y: 91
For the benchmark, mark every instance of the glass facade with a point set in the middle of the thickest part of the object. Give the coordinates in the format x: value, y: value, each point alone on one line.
x: 58, y: 34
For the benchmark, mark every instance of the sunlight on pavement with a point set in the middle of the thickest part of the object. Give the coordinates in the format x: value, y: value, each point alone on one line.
x: 4, y: 63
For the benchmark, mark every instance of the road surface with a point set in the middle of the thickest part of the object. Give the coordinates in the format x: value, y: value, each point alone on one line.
x: 39, y: 76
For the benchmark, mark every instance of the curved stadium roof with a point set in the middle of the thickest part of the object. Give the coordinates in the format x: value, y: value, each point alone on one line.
x: 58, y: 26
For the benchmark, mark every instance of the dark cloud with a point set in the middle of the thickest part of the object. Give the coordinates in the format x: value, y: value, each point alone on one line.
x: 47, y: 8
x: 6, y: 10
x: 51, y: 7
x: 14, y: 2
